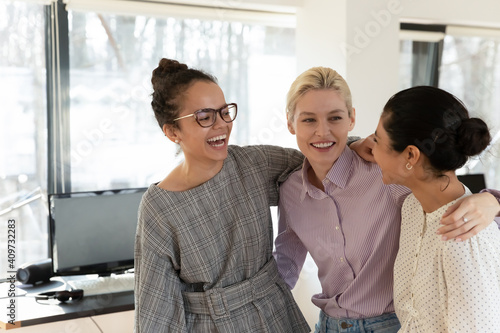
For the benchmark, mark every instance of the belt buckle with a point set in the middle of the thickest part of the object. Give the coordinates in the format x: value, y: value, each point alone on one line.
x: 216, y: 297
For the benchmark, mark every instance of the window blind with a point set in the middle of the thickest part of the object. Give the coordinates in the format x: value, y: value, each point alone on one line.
x: 164, y: 9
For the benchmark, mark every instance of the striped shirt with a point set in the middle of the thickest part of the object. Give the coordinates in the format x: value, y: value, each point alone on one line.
x: 351, y: 231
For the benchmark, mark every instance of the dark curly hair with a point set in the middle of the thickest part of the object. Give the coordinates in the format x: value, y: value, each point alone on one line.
x: 170, y: 81
x: 437, y: 123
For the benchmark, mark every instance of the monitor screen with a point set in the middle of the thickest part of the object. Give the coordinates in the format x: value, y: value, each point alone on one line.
x: 475, y: 182
x: 93, y: 232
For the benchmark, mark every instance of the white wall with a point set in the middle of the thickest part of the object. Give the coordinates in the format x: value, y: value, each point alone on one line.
x: 476, y: 13
x: 369, y: 31
x: 360, y: 39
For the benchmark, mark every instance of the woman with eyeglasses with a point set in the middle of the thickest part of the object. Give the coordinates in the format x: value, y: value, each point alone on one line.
x: 203, y: 258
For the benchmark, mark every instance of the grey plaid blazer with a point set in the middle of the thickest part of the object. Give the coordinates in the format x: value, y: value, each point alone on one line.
x: 215, y: 235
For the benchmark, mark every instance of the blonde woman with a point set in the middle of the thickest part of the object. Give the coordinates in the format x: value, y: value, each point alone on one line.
x: 337, y: 208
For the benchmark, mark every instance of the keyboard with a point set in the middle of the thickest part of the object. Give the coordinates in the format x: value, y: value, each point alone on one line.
x: 104, y: 284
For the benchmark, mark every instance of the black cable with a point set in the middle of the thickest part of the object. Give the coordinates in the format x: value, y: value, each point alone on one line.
x: 100, y: 330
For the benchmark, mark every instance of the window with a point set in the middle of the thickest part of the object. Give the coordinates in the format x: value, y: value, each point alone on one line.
x: 23, y: 132
x: 99, y: 131
x: 112, y: 57
x: 421, y: 51
x: 465, y: 62
x: 470, y: 69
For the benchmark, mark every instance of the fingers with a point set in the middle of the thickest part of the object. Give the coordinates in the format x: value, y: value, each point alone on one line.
x: 456, y: 213
x: 370, y: 141
x: 368, y: 156
x: 467, y: 235
x: 467, y: 217
x: 464, y: 228
x: 461, y: 232
x: 363, y: 149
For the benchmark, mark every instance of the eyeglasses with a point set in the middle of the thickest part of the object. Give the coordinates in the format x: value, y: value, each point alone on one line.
x: 207, y: 117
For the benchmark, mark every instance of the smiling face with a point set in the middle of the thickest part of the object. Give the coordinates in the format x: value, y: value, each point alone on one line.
x: 321, y: 123
x: 391, y: 162
x: 201, y: 144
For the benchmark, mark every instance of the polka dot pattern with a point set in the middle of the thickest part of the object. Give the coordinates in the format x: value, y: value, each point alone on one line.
x: 445, y: 286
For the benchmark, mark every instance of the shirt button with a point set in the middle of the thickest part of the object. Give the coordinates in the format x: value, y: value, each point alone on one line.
x: 337, y: 228
x: 341, y: 259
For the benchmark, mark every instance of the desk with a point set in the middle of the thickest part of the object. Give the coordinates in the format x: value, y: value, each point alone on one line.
x: 29, y: 312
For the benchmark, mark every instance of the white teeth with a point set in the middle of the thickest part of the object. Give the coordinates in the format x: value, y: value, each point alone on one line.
x: 323, y: 145
x: 217, y: 138
x: 222, y: 144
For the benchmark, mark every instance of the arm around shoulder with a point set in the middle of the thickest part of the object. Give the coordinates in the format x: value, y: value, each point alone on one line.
x: 468, y: 216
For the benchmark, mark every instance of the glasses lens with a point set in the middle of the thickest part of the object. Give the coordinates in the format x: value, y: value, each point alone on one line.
x: 228, y: 113
x: 205, y: 117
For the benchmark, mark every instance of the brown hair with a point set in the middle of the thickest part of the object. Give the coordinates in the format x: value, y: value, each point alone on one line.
x: 170, y: 81
x: 437, y: 123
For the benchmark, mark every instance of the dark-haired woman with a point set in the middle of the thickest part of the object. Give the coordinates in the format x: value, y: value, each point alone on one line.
x: 203, y: 258
x: 423, y: 136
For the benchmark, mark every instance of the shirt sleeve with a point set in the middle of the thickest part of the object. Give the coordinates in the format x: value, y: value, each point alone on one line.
x: 471, y: 271
x: 289, y: 253
x: 159, y: 306
x: 399, y: 193
x: 496, y: 194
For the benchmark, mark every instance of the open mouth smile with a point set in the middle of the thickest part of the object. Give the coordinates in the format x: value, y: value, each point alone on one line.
x: 217, y: 141
x: 323, y: 145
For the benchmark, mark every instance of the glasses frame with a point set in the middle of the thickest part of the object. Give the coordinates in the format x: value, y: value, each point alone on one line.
x: 216, y: 111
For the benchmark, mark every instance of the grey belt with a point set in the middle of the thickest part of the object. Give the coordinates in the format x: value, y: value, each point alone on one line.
x: 219, y: 302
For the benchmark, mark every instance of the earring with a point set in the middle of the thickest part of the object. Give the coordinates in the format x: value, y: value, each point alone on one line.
x: 176, y: 141
x: 409, y: 166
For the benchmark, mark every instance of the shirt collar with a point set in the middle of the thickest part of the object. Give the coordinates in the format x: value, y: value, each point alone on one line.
x: 339, y: 175
x: 341, y: 170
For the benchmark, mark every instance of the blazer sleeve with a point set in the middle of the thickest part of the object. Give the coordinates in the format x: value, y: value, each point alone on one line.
x: 279, y: 164
x: 159, y: 306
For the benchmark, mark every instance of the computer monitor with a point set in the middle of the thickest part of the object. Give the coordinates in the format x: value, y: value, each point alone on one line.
x: 93, y: 232
x: 475, y: 182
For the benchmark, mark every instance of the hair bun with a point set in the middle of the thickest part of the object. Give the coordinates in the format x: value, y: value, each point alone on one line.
x: 169, y: 66
x: 165, y: 68
x: 473, y: 136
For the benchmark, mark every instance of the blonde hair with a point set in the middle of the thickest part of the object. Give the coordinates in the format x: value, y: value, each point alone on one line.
x: 317, y: 78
